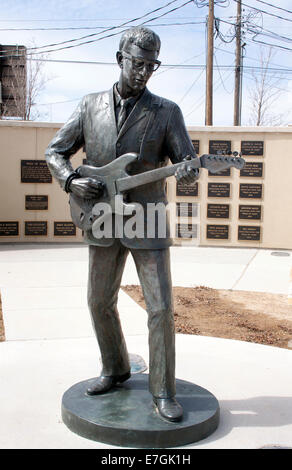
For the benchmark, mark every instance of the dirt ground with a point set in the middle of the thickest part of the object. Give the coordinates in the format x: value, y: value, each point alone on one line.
x: 247, y: 316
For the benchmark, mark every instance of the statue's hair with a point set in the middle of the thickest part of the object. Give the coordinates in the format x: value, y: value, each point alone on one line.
x: 142, y: 37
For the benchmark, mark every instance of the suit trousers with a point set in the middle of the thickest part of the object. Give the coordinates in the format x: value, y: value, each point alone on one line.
x: 106, y: 266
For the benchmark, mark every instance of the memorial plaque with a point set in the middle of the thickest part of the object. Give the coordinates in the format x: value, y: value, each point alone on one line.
x: 35, y: 171
x: 250, y: 212
x: 196, y: 145
x: 35, y: 228
x: 186, y: 230
x: 249, y: 232
x: 252, y: 147
x: 222, y: 146
x: 218, y: 189
x: 225, y: 172
x: 9, y: 229
x: 183, y: 189
x: 250, y: 191
x: 219, y: 232
x: 64, y: 229
x: 218, y: 211
x: 252, y: 170
x: 187, y: 209
x: 36, y: 203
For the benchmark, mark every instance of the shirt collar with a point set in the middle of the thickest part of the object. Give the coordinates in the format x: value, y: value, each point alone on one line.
x: 131, y: 101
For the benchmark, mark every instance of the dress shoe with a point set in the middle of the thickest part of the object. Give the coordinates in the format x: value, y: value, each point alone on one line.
x: 104, y: 383
x: 169, y: 408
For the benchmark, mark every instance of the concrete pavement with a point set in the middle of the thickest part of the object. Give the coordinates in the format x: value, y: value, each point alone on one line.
x: 50, y: 345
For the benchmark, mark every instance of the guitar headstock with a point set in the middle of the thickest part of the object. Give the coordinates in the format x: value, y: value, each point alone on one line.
x: 219, y: 162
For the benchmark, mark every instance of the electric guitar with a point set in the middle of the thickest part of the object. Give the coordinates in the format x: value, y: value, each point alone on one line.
x: 117, y: 182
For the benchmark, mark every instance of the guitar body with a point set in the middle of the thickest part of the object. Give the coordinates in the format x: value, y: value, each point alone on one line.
x: 82, y: 210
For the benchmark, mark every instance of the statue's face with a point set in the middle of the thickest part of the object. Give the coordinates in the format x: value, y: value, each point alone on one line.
x: 137, y: 66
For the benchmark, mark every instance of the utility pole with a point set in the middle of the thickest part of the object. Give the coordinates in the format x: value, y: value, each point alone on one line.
x: 238, y: 70
x: 209, y: 67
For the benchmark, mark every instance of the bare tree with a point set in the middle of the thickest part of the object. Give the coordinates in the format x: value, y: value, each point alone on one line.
x: 264, y: 93
x: 25, y: 82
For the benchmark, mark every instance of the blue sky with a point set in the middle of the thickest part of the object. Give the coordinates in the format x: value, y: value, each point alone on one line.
x: 181, y: 44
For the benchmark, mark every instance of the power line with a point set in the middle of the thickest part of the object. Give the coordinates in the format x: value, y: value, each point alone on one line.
x: 250, y: 58
x: 189, y: 89
x: 175, y: 66
x: 57, y: 102
x: 249, y: 76
x: 263, y: 31
x: 205, y: 3
x: 99, y: 27
x: 274, y: 6
x: 271, y: 44
x: 253, y: 30
x: 178, y: 66
x: 107, y: 36
x: 265, y: 12
x: 200, y: 101
x: 222, y: 82
x: 115, y: 27
x: 104, y: 30
x: 89, y: 19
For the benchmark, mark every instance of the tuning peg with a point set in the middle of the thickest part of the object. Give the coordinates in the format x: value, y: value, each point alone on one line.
x: 235, y: 153
x: 229, y: 152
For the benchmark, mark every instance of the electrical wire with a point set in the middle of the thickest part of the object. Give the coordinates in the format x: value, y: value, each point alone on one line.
x: 219, y: 33
x: 105, y: 30
x: 58, y: 102
x: 274, y: 6
x: 170, y: 67
x: 264, y: 11
x: 205, y: 3
x: 222, y: 82
x: 99, y: 27
x: 116, y: 27
x: 250, y: 76
x: 107, y: 36
x: 182, y: 66
x: 264, y: 32
x: 249, y: 58
x: 200, y: 101
x: 271, y: 45
x: 189, y: 89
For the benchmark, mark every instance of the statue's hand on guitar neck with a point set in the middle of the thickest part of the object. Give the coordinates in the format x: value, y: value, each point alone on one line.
x: 87, y: 188
x: 185, y: 173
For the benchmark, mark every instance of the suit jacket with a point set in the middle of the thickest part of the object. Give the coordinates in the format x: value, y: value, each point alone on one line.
x: 155, y: 129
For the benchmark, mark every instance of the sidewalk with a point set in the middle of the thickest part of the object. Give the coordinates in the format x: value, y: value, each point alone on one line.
x: 50, y: 345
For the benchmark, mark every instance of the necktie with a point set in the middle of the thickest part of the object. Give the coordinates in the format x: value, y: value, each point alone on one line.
x: 122, y: 114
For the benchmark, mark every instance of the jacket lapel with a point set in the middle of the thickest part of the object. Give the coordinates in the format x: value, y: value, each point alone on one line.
x: 111, y: 114
x: 140, y: 111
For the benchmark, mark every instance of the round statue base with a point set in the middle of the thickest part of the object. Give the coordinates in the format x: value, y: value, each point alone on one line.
x: 126, y: 415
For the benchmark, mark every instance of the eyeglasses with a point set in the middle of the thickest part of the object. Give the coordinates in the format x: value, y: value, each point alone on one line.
x: 139, y: 64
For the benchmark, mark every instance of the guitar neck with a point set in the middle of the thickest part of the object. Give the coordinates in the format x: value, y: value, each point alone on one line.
x: 130, y: 182
x: 214, y: 163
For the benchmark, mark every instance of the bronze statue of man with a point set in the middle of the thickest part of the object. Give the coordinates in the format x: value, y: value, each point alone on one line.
x: 129, y: 118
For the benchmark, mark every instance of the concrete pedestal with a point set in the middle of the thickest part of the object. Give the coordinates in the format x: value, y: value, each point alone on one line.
x: 126, y: 416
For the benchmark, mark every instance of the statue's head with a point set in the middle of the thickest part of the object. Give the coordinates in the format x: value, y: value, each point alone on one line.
x: 142, y: 37
x: 137, y: 57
